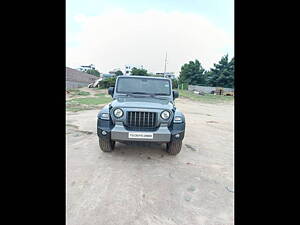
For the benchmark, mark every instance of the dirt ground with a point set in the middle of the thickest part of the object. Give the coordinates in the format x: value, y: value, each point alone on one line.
x: 141, y: 184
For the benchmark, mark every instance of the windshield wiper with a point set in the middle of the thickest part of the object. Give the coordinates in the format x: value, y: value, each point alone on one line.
x: 157, y: 96
x: 132, y: 94
x: 164, y: 94
x: 153, y: 95
x: 140, y: 93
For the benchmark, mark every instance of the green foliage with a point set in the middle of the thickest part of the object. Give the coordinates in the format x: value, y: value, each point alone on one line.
x: 138, y: 72
x: 192, y: 73
x: 118, y: 73
x: 109, y: 82
x: 183, y: 86
x: 93, y: 72
x: 222, y: 75
x: 174, y: 83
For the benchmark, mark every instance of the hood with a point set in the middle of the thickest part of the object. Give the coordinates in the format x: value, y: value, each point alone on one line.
x: 142, y: 102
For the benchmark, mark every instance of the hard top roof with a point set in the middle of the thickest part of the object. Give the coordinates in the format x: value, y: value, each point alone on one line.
x: 142, y: 77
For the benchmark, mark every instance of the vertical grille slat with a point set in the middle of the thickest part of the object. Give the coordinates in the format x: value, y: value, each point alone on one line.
x: 141, y: 120
x: 148, y: 119
x: 152, y: 120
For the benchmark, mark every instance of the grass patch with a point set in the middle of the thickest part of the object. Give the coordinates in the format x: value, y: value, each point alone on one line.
x: 81, y: 108
x: 80, y: 104
x: 100, y: 94
x: 90, y: 100
x: 84, y: 93
x: 207, y: 98
x: 74, y: 92
x: 75, y: 109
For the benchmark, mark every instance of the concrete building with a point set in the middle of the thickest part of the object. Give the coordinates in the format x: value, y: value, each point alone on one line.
x: 128, y: 68
x: 85, y: 68
x: 107, y: 75
x: 115, y: 70
x: 170, y: 75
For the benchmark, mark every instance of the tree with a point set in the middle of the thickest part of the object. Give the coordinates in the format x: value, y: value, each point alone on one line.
x: 108, y: 82
x: 118, y: 73
x: 192, y: 73
x: 93, y: 72
x: 222, y: 74
x: 138, y: 72
x: 174, y: 83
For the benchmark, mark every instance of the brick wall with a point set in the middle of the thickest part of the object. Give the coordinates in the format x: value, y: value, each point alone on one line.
x: 74, y: 84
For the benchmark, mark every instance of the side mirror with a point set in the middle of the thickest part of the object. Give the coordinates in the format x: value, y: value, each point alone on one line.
x: 175, y: 94
x: 111, y: 91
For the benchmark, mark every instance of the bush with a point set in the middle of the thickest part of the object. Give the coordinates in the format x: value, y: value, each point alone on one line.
x: 93, y: 72
x: 139, y: 72
x: 174, y: 83
x: 183, y: 86
x: 109, y: 82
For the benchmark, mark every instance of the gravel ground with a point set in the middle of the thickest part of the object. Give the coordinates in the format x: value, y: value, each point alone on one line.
x: 142, y: 184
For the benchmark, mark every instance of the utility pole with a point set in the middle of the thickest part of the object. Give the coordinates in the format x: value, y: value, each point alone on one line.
x: 165, y: 65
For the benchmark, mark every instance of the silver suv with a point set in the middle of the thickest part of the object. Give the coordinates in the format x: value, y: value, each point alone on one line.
x: 142, y: 109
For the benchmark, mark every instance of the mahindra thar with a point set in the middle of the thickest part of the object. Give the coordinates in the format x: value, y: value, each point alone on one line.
x: 143, y: 109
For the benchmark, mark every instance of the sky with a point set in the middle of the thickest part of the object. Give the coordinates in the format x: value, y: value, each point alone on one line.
x: 113, y: 33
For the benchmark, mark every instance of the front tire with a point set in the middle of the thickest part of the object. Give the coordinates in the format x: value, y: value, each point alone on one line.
x: 106, y: 145
x: 174, y: 147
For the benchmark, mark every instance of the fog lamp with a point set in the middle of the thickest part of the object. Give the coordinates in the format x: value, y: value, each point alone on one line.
x: 104, y: 116
x: 177, y: 119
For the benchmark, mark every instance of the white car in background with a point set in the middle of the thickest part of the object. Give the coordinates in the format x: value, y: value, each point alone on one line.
x: 95, y: 84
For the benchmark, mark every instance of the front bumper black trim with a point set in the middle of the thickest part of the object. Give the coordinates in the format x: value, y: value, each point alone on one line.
x: 104, y: 125
x: 107, y: 125
x: 177, y: 128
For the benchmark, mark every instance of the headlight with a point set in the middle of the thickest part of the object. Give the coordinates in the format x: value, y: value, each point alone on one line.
x: 165, y: 115
x: 118, y: 113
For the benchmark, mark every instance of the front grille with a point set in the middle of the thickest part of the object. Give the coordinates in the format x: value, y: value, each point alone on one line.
x: 141, y: 120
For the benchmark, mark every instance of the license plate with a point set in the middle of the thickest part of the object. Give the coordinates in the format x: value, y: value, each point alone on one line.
x: 140, y: 135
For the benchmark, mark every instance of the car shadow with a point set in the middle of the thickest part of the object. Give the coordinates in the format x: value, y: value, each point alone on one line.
x: 140, y: 148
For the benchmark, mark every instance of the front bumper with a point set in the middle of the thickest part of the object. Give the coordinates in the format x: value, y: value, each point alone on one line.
x: 118, y: 132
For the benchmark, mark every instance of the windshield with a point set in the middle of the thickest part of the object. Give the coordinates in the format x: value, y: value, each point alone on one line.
x: 144, y: 86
